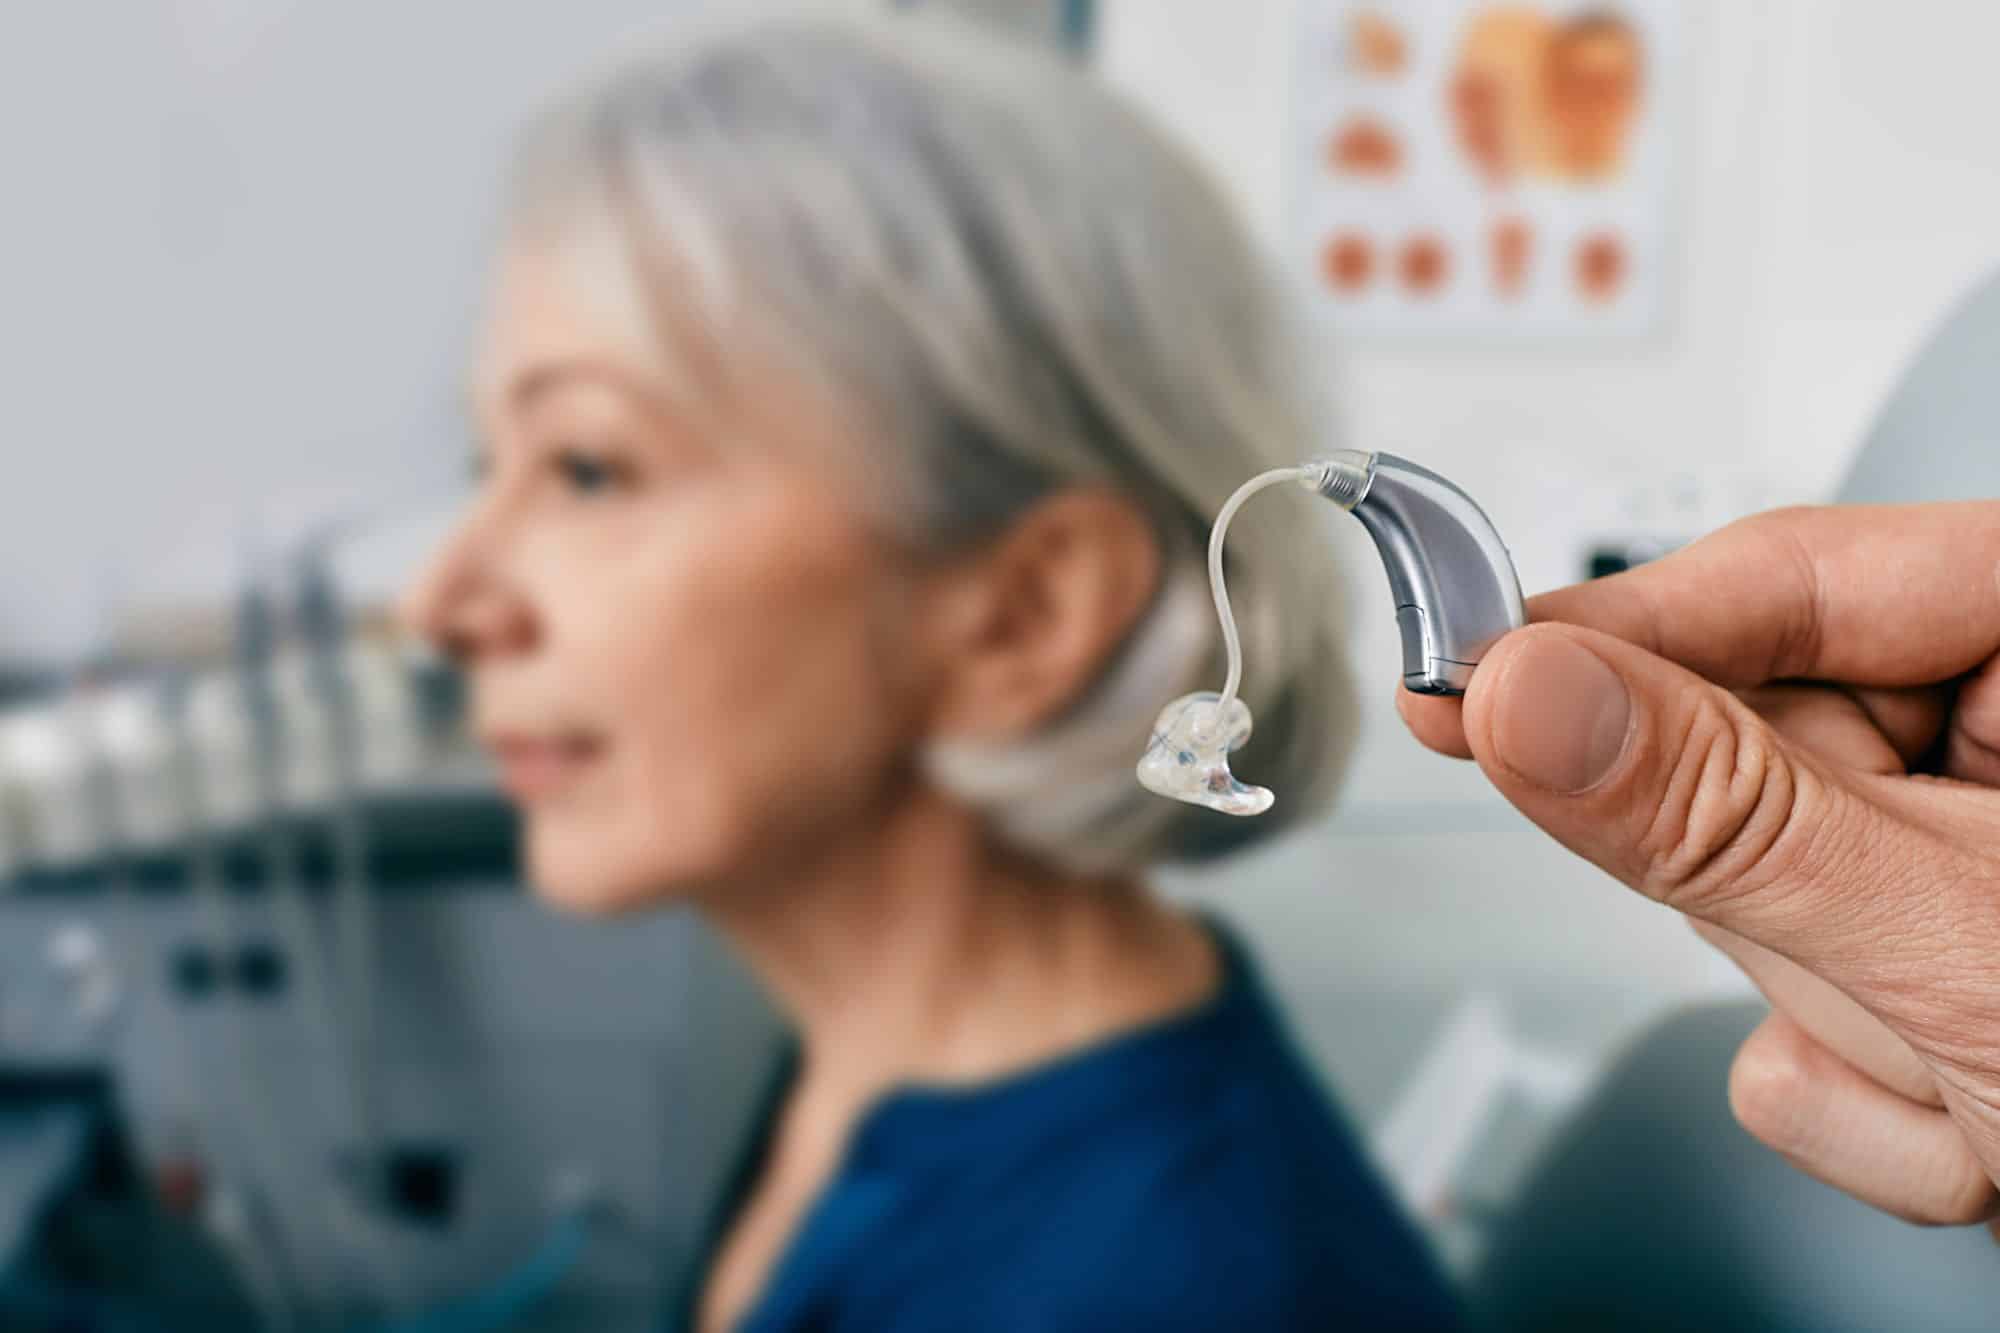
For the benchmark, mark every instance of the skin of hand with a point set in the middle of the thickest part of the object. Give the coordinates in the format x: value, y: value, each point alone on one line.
x: 1790, y: 733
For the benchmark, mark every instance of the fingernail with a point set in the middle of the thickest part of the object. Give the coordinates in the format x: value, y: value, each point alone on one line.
x: 1561, y: 723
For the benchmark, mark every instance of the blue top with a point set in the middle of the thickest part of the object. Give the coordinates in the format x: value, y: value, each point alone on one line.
x: 1186, y: 1175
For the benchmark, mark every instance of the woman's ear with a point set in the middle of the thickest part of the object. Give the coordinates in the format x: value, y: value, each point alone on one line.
x: 1033, y: 619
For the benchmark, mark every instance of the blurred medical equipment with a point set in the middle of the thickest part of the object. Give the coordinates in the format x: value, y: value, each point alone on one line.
x: 1938, y: 435
x: 1654, y: 1210
x: 1468, y: 1074
x: 1455, y: 591
x: 75, y: 1248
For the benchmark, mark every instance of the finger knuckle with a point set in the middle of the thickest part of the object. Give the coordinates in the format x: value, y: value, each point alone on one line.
x: 1735, y: 813
x: 1777, y: 540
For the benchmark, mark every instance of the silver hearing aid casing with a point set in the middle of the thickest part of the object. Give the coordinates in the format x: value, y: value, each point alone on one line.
x: 1454, y: 583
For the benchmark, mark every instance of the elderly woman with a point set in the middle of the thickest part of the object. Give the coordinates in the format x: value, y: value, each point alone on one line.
x: 852, y: 403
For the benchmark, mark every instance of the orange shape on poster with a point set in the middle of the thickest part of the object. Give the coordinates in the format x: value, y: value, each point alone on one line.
x: 1531, y: 97
x: 1591, y: 89
x: 1493, y: 91
x: 1348, y: 262
x: 1366, y: 147
x: 1425, y: 264
x: 1600, y: 266
x: 1376, y: 45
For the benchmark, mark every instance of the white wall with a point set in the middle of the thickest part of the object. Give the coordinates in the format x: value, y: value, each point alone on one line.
x: 1884, y: 201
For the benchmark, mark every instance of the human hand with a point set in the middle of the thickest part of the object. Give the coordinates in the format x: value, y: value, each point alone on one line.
x: 1790, y: 732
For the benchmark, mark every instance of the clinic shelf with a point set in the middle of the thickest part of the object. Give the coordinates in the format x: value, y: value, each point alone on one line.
x: 415, y: 838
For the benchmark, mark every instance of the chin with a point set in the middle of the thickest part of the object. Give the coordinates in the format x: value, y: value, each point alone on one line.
x: 589, y: 876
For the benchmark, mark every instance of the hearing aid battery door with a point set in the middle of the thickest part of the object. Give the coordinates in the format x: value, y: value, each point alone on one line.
x: 1424, y: 672
x: 1452, y: 579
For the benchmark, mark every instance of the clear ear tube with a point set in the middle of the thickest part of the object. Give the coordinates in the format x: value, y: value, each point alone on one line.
x: 1451, y: 577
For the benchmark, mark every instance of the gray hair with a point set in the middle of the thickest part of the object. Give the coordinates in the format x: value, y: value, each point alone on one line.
x: 1024, y: 286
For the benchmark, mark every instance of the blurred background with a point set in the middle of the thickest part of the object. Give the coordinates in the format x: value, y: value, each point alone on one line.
x: 283, y: 1043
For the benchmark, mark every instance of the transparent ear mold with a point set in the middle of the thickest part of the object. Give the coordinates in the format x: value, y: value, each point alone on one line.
x: 1188, y: 755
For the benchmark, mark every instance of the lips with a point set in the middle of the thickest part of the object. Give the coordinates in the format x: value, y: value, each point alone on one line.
x: 534, y: 768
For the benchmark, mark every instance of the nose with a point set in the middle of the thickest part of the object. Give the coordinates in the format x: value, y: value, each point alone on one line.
x: 465, y: 605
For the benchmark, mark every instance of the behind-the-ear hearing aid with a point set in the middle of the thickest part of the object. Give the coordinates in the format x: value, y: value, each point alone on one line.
x: 1451, y: 576
x: 1455, y: 592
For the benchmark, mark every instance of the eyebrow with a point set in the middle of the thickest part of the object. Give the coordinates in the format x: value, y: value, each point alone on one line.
x: 536, y: 381
x: 530, y: 384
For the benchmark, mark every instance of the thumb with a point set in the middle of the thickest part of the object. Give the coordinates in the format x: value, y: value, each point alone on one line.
x: 1680, y: 790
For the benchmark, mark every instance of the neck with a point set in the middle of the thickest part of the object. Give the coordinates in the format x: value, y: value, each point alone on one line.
x: 917, y: 952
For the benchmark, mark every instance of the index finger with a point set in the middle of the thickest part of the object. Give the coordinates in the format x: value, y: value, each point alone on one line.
x: 1872, y: 595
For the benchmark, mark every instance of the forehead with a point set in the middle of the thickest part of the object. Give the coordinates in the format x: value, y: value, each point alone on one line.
x: 578, y: 313
x: 553, y: 305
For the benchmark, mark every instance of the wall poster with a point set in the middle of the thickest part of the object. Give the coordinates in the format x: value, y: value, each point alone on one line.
x: 1464, y: 167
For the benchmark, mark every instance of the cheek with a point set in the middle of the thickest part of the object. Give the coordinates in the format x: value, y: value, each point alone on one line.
x: 741, y: 664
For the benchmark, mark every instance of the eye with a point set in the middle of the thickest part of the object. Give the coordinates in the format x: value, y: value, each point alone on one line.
x: 588, y: 474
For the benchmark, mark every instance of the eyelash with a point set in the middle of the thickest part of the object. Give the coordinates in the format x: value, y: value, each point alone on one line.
x: 583, y: 472
x: 589, y: 474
